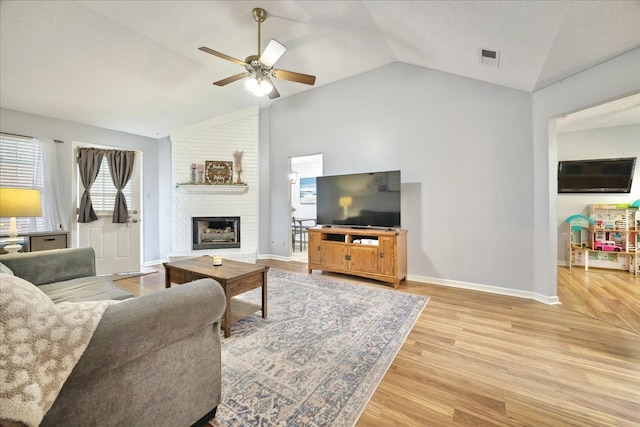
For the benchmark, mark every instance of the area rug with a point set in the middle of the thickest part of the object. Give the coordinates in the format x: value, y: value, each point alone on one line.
x: 318, y: 357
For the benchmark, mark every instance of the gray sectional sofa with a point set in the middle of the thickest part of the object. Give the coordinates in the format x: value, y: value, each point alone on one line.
x: 152, y: 360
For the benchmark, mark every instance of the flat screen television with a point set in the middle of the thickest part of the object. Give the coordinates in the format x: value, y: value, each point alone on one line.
x: 596, y: 176
x: 359, y: 200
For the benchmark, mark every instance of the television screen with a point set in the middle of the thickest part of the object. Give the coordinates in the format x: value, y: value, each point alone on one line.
x: 359, y: 200
x: 596, y: 176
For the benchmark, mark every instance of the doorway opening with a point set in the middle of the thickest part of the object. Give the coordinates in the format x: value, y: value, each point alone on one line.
x: 606, y: 131
x: 302, y: 176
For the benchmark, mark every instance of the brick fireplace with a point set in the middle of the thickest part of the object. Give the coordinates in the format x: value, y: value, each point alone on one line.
x: 215, y: 139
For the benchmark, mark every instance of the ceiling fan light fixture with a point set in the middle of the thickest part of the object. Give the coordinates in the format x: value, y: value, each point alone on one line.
x: 259, y: 68
x: 258, y: 87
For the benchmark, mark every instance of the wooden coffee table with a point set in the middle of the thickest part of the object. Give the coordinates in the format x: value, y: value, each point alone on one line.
x: 235, y: 277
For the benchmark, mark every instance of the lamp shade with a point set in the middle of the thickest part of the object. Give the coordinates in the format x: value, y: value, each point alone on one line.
x: 19, y: 202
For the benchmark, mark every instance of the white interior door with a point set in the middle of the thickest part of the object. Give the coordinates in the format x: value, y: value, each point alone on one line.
x: 117, y: 246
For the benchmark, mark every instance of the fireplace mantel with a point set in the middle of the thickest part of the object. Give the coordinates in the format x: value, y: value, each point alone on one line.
x: 212, y: 189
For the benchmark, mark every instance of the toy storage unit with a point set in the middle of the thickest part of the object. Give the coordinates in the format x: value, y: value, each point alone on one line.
x: 615, y: 239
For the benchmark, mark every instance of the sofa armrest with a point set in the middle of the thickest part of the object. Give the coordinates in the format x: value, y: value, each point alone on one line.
x: 55, y: 265
x: 134, y: 327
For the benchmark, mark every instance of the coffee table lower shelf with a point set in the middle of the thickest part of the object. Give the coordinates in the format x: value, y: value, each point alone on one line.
x: 241, y: 309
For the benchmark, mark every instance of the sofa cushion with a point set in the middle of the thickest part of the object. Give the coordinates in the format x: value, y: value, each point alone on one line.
x: 51, y: 266
x: 93, y: 288
x: 5, y: 270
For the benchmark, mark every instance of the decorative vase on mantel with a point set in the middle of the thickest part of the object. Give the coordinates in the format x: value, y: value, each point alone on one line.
x: 193, y: 174
x: 239, y: 181
x: 237, y: 157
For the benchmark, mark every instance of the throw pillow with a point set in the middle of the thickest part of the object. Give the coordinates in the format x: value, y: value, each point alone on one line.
x: 41, y: 343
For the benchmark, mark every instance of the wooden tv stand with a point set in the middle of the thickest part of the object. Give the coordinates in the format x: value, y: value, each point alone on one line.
x: 371, y: 253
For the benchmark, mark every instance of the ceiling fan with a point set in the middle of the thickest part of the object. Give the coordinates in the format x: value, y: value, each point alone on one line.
x: 260, y: 67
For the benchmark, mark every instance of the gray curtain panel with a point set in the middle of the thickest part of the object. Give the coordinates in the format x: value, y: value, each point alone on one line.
x: 89, y: 160
x: 121, y: 166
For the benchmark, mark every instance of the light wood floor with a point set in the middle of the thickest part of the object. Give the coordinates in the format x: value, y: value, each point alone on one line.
x: 479, y: 359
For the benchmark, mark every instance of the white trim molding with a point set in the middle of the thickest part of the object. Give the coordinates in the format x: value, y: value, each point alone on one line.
x: 549, y: 300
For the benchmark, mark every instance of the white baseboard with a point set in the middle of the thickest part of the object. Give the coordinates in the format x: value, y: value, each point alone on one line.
x: 549, y: 300
x: 275, y: 257
x: 153, y: 262
x: 486, y: 288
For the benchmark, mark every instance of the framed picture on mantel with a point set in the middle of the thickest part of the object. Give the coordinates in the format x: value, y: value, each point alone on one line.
x: 218, y: 172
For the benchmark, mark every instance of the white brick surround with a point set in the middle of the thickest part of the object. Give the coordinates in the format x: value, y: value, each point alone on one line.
x: 216, y: 139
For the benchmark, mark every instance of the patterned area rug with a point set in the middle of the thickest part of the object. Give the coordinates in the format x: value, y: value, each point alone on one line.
x: 319, y: 356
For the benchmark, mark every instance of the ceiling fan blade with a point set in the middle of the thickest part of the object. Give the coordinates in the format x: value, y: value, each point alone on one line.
x: 272, y: 53
x: 222, y: 55
x: 294, y: 77
x: 231, y: 79
x: 274, y: 92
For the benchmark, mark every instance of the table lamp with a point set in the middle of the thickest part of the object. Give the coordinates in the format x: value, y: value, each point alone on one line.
x: 18, y: 202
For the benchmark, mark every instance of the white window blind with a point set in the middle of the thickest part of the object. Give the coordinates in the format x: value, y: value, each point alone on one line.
x: 21, y: 166
x: 103, y: 192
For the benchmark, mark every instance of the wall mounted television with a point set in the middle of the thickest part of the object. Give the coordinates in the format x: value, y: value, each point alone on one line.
x: 596, y: 176
x: 359, y: 200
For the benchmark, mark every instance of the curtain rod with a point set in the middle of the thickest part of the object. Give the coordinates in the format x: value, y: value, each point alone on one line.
x: 30, y: 137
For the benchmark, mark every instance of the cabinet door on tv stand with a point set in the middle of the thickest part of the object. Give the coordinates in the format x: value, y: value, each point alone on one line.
x: 334, y: 254
x: 314, y: 252
x: 388, y: 259
x: 364, y: 258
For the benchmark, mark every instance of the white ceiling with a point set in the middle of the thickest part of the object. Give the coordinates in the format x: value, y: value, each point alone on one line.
x: 135, y: 66
x: 620, y: 112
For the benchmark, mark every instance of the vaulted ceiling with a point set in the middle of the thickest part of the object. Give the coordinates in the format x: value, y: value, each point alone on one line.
x: 135, y: 66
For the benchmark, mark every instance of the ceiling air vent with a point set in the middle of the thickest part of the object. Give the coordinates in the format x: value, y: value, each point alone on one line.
x: 490, y: 58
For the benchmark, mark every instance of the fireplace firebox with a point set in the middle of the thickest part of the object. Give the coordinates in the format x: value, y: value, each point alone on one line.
x: 216, y: 232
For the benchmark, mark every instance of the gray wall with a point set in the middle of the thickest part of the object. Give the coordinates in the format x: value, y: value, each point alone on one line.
x: 39, y: 126
x: 464, y: 148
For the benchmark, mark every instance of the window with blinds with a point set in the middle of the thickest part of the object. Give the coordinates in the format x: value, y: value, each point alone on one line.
x: 103, y: 192
x: 21, y: 166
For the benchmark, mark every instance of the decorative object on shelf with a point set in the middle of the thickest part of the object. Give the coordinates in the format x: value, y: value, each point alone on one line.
x: 193, y: 174
x: 218, y: 172
x: 237, y: 157
x: 18, y: 202
x: 201, y: 174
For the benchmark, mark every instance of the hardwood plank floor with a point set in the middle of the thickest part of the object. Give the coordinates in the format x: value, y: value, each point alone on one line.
x: 479, y: 359
x: 612, y: 296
